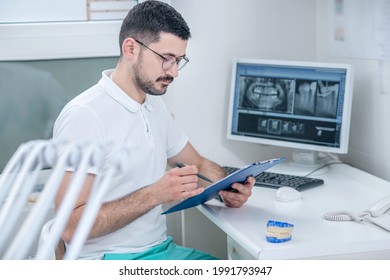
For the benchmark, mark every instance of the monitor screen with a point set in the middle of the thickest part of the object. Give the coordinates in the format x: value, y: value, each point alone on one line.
x: 301, y: 105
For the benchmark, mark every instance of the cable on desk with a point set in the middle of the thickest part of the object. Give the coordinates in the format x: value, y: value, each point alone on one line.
x: 325, y: 165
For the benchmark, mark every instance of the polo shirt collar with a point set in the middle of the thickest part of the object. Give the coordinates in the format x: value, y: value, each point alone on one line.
x: 120, y: 96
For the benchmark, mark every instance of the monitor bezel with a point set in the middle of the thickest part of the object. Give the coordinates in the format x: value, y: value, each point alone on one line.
x: 346, y: 116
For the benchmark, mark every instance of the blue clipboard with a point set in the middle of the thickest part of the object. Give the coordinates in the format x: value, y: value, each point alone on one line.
x: 211, y: 191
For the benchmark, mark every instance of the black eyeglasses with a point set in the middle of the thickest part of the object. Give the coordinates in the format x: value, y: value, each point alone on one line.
x: 169, y: 61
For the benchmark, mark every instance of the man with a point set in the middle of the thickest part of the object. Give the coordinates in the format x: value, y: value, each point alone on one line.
x: 126, y: 108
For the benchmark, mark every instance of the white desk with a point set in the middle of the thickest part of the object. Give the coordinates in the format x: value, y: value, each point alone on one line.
x: 345, y: 188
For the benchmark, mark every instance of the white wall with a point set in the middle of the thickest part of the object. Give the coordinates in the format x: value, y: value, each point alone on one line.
x: 222, y: 30
x: 278, y: 29
x: 369, y: 148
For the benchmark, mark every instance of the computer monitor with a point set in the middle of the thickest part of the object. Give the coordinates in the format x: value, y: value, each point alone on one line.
x: 297, y: 104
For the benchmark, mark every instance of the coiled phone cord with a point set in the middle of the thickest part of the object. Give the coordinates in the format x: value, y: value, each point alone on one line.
x: 341, y: 216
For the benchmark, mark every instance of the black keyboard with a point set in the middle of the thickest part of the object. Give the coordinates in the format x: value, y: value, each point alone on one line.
x: 276, y: 180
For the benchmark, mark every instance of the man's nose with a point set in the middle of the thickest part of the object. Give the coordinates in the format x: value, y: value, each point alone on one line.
x: 173, y: 71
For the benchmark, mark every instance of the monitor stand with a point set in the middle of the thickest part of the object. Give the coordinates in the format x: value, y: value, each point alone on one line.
x: 303, y: 162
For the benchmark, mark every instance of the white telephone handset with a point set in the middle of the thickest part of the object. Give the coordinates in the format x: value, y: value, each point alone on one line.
x: 381, y: 207
x: 378, y: 209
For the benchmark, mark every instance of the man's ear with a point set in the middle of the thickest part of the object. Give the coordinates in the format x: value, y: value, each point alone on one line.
x: 129, y: 47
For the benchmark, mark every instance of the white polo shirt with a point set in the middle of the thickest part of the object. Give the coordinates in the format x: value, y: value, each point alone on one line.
x: 105, y: 112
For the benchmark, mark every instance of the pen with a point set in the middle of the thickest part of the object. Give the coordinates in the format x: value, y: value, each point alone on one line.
x: 180, y: 165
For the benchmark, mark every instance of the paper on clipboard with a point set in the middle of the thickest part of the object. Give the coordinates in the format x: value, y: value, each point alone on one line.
x: 211, y: 191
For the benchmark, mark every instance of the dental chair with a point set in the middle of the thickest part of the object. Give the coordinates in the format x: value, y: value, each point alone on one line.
x: 19, y: 178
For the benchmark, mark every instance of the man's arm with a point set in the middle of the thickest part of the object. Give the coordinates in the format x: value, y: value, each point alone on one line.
x: 176, y: 184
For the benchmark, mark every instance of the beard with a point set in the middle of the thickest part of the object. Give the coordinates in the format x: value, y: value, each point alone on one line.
x: 147, y: 85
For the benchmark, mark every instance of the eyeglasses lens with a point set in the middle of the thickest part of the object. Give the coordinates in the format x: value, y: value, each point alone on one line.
x: 170, y: 61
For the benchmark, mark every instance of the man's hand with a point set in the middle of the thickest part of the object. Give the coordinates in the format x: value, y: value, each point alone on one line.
x: 177, y: 184
x: 239, y: 195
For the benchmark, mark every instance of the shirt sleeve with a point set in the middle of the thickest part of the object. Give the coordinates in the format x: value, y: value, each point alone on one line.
x: 75, y: 124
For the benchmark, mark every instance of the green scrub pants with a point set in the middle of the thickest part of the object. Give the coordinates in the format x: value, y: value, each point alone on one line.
x: 167, y: 250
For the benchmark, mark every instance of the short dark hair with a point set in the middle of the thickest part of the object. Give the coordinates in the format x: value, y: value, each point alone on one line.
x: 146, y: 20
